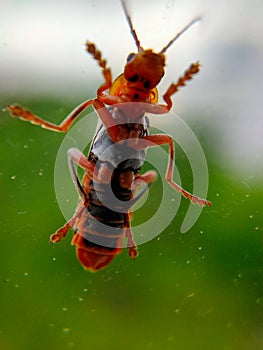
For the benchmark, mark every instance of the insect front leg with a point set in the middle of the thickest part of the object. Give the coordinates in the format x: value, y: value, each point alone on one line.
x: 162, y: 139
x: 19, y: 112
x: 96, y: 54
x: 108, y: 120
x: 173, y: 88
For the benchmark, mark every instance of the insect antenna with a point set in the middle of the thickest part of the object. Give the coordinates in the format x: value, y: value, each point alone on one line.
x: 179, y: 34
x: 133, y: 32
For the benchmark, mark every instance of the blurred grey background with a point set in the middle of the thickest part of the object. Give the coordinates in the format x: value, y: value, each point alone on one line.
x: 42, y: 54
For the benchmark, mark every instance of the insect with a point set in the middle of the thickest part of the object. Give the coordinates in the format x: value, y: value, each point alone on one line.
x: 112, y: 181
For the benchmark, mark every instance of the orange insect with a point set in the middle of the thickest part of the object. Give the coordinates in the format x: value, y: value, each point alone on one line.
x: 102, y: 221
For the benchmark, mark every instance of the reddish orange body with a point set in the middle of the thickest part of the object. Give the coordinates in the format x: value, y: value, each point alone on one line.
x: 123, y: 124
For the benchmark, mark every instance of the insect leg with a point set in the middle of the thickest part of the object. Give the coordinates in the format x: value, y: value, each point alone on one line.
x: 107, y: 119
x: 17, y: 111
x: 142, y: 180
x: 133, y: 253
x: 148, y: 178
x: 96, y: 54
x: 156, y: 140
x: 75, y: 156
x: 173, y: 88
x: 62, y: 232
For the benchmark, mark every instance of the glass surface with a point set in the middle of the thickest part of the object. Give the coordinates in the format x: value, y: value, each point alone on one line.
x: 199, y: 290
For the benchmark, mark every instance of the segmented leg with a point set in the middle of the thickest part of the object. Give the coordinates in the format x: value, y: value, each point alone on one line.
x: 156, y: 140
x: 19, y: 112
x: 75, y: 157
x: 62, y: 232
x: 133, y: 252
x: 148, y: 178
x: 107, y: 119
x: 173, y: 88
x: 96, y: 54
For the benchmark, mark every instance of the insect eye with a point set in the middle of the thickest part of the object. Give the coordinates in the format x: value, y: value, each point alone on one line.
x: 134, y: 78
x: 146, y: 84
x: 130, y: 57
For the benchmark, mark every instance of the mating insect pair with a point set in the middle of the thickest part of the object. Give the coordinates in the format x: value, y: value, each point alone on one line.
x: 112, y: 181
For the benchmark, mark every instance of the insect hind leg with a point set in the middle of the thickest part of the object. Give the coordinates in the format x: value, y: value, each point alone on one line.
x: 146, y: 179
x: 75, y: 157
x: 60, y: 233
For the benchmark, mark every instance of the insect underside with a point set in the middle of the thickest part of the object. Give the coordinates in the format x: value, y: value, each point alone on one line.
x: 112, y: 181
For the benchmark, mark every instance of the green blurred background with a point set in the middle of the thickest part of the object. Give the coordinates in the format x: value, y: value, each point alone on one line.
x: 199, y: 290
